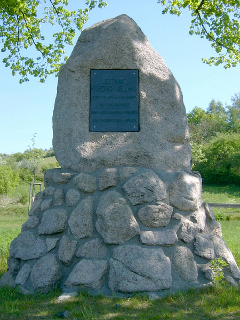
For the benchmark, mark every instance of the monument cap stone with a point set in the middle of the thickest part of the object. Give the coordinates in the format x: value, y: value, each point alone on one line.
x: 161, y: 140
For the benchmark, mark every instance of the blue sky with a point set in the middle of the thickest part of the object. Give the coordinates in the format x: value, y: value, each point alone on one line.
x: 26, y: 109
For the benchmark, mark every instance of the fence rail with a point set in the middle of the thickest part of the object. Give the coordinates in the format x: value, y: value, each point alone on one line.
x: 224, y: 205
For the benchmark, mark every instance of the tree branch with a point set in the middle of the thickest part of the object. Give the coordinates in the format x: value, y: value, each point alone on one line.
x: 59, y: 20
x: 205, y: 30
x: 29, y: 30
x: 200, y: 6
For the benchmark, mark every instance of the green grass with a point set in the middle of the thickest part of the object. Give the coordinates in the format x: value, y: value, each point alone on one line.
x: 218, y: 303
x: 221, y: 303
x: 11, y: 219
x: 223, y: 194
x: 231, y: 235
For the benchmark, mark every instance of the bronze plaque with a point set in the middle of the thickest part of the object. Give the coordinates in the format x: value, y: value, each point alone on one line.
x: 114, y: 100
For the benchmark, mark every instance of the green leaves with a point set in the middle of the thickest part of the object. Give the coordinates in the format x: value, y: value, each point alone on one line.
x: 215, y: 141
x: 21, y: 25
x: 9, y: 179
x: 218, y: 21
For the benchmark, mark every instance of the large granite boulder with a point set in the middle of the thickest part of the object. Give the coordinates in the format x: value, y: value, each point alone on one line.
x: 163, y: 139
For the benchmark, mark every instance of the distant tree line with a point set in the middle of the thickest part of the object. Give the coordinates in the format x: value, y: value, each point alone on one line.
x: 215, y: 141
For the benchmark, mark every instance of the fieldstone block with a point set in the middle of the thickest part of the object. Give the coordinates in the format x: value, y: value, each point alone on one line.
x: 7, y: 280
x: 216, y: 228
x: 85, y: 182
x: 135, y: 269
x: 61, y: 177
x: 186, y: 192
x: 72, y: 197
x: 184, y: 263
x: 23, y: 274
x: 13, y: 265
x: 31, y: 223
x: 93, y: 249
x: 209, y: 212
x: 222, y: 251
x: 115, y: 220
x: 159, y: 238
x: 88, y: 273
x: 58, y: 197
x: 46, y: 273
x: 46, y: 204
x: 53, y: 221
x: 126, y: 172
x: 49, y: 191
x: 35, y: 207
x: 199, y: 218
x: 107, y: 178
x: 39, y: 195
x: 81, y: 221
x: 188, y: 230
x: 230, y: 280
x: 204, y: 247
x: 155, y: 216
x: 208, y: 271
x: 48, y: 176
x: 144, y: 188
x: 51, y: 243
x: 26, y: 246
x: 66, y: 250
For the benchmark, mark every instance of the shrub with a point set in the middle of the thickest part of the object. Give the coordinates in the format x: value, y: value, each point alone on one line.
x: 25, y: 175
x: 221, y: 163
x: 50, y: 153
x: 23, y: 199
x: 9, y: 179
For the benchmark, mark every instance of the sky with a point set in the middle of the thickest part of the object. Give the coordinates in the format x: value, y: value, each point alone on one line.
x: 26, y: 109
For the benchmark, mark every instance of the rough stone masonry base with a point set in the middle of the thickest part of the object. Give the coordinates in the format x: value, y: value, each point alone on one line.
x: 118, y: 231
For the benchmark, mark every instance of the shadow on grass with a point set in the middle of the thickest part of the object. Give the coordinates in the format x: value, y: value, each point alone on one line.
x: 220, y: 303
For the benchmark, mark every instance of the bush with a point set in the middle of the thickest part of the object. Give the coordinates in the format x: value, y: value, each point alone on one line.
x: 221, y: 163
x: 50, y: 153
x: 23, y: 199
x: 25, y: 175
x: 9, y: 179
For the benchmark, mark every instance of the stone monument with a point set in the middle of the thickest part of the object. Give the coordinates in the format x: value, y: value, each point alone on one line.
x: 124, y: 213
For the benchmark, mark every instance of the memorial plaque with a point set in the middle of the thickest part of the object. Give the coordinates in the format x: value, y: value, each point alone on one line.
x: 114, y: 103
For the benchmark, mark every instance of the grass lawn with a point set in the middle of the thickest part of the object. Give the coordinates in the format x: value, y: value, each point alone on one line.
x: 223, y: 194
x: 220, y: 303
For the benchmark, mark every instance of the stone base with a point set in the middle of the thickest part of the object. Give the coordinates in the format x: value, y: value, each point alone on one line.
x: 118, y: 231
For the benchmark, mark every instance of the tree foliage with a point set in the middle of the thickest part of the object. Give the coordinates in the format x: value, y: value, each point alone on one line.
x: 218, y: 21
x: 21, y: 25
x: 215, y: 141
x: 205, y: 124
x: 221, y: 164
x: 9, y: 179
x: 32, y: 159
x: 234, y: 114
